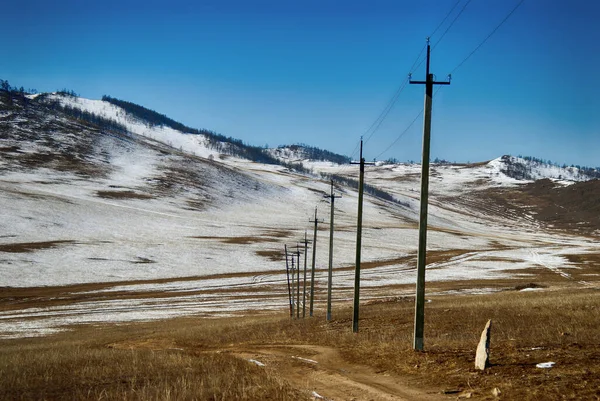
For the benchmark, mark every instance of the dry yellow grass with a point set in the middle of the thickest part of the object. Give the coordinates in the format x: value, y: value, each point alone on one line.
x: 74, y: 369
x: 193, y: 358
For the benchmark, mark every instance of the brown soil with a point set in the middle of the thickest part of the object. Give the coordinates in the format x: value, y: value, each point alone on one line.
x: 330, y: 376
x: 122, y: 195
x: 275, y: 256
x: 23, y: 247
x: 237, y: 240
x: 575, y: 207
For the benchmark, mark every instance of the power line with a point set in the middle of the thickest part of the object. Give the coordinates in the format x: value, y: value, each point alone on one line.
x: 387, y: 110
x: 415, y: 66
x: 401, y: 135
x: 406, y: 129
x: 346, y: 166
x: 445, y: 18
x: 412, y: 70
x: 374, y: 127
x: 451, y: 24
x: 455, y: 68
x: 355, y: 149
x: 488, y: 36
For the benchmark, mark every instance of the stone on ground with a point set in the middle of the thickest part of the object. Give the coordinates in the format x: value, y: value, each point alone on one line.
x: 483, y: 349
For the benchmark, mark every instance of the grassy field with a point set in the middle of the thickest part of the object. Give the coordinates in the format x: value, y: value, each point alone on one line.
x: 192, y: 358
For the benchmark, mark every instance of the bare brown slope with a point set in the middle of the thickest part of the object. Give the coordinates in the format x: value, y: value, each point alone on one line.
x: 574, y: 207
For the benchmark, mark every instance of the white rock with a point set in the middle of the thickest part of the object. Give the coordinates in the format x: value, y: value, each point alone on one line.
x: 483, y: 349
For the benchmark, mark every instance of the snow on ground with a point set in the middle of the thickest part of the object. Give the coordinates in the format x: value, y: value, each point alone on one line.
x: 192, y: 144
x: 249, y: 211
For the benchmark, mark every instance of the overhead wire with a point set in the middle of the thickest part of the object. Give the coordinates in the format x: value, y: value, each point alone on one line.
x: 451, y: 24
x: 419, y: 114
x: 445, y: 18
x: 374, y: 127
x: 377, y: 123
x: 401, y: 135
x: 391, y: 103
x: 459, y: 64
x: 415, y: 67
x: 488, y: 36
x: 382, y: 116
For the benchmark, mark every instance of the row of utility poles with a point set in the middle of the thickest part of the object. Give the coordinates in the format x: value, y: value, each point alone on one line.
x: 293, y: 259
x: 292, y: 264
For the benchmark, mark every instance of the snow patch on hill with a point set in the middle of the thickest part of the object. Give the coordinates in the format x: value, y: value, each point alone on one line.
x: 532, y: 170
x: 193, y: 144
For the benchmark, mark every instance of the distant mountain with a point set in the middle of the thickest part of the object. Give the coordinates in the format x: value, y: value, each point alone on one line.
x: 302, y: 152
x: 531, y: 169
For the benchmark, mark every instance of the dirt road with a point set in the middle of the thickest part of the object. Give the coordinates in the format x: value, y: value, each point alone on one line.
x: 321, y: 371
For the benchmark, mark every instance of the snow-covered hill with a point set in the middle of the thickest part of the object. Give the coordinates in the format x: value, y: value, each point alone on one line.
x: 152, y: 222
x: 309, y: 155
x: 530, y: 169
x: 192, y: 144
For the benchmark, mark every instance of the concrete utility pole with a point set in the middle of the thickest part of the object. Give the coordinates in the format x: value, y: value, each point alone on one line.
x: 421, y: 255
x: 314, y: 255
x: 287, y: 270
x: 293, y: 286
x: 358, y: 238
x: 306, y: 241
x: 298, y: 284
x: 332, y: 197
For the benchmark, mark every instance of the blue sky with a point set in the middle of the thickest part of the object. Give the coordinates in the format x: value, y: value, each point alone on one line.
x: 320, y: 72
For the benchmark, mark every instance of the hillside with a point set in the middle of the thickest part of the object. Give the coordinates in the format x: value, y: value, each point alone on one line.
x: 109, y: 217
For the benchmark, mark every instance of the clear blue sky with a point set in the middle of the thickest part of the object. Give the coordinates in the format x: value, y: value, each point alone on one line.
x: 320, y: 72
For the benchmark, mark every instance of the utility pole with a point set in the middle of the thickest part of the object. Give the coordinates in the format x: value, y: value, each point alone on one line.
x: 358, y: 238
x: 312, y: 273
x: 287, y: 270
x: 293, y: 257
x: 421, y: 254
x: 306, y: 241
x: 332, y: 197
x: 298, y: 283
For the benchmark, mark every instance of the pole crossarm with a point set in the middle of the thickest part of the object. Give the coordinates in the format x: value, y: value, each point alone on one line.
x: 433, y: 82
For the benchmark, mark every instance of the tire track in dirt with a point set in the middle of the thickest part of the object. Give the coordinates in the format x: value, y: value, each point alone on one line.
x: 321, y: 372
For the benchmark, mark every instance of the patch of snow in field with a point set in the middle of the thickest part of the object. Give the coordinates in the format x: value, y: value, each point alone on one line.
x: 41, y: 321
x: 304, y: 359
x: 545, y: 365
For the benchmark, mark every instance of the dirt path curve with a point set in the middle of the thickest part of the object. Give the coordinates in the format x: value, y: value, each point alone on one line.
x: 321, y: 371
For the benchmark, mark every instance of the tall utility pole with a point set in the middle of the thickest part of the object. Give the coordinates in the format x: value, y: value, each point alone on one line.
x: 358, y: 238
x: 287, y: 269
x: 421, y: 255
x: 305, y: 242
x: 314, y: 255
x: 293, y: 286
x: 298, y: 284
x: 332, y: 197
